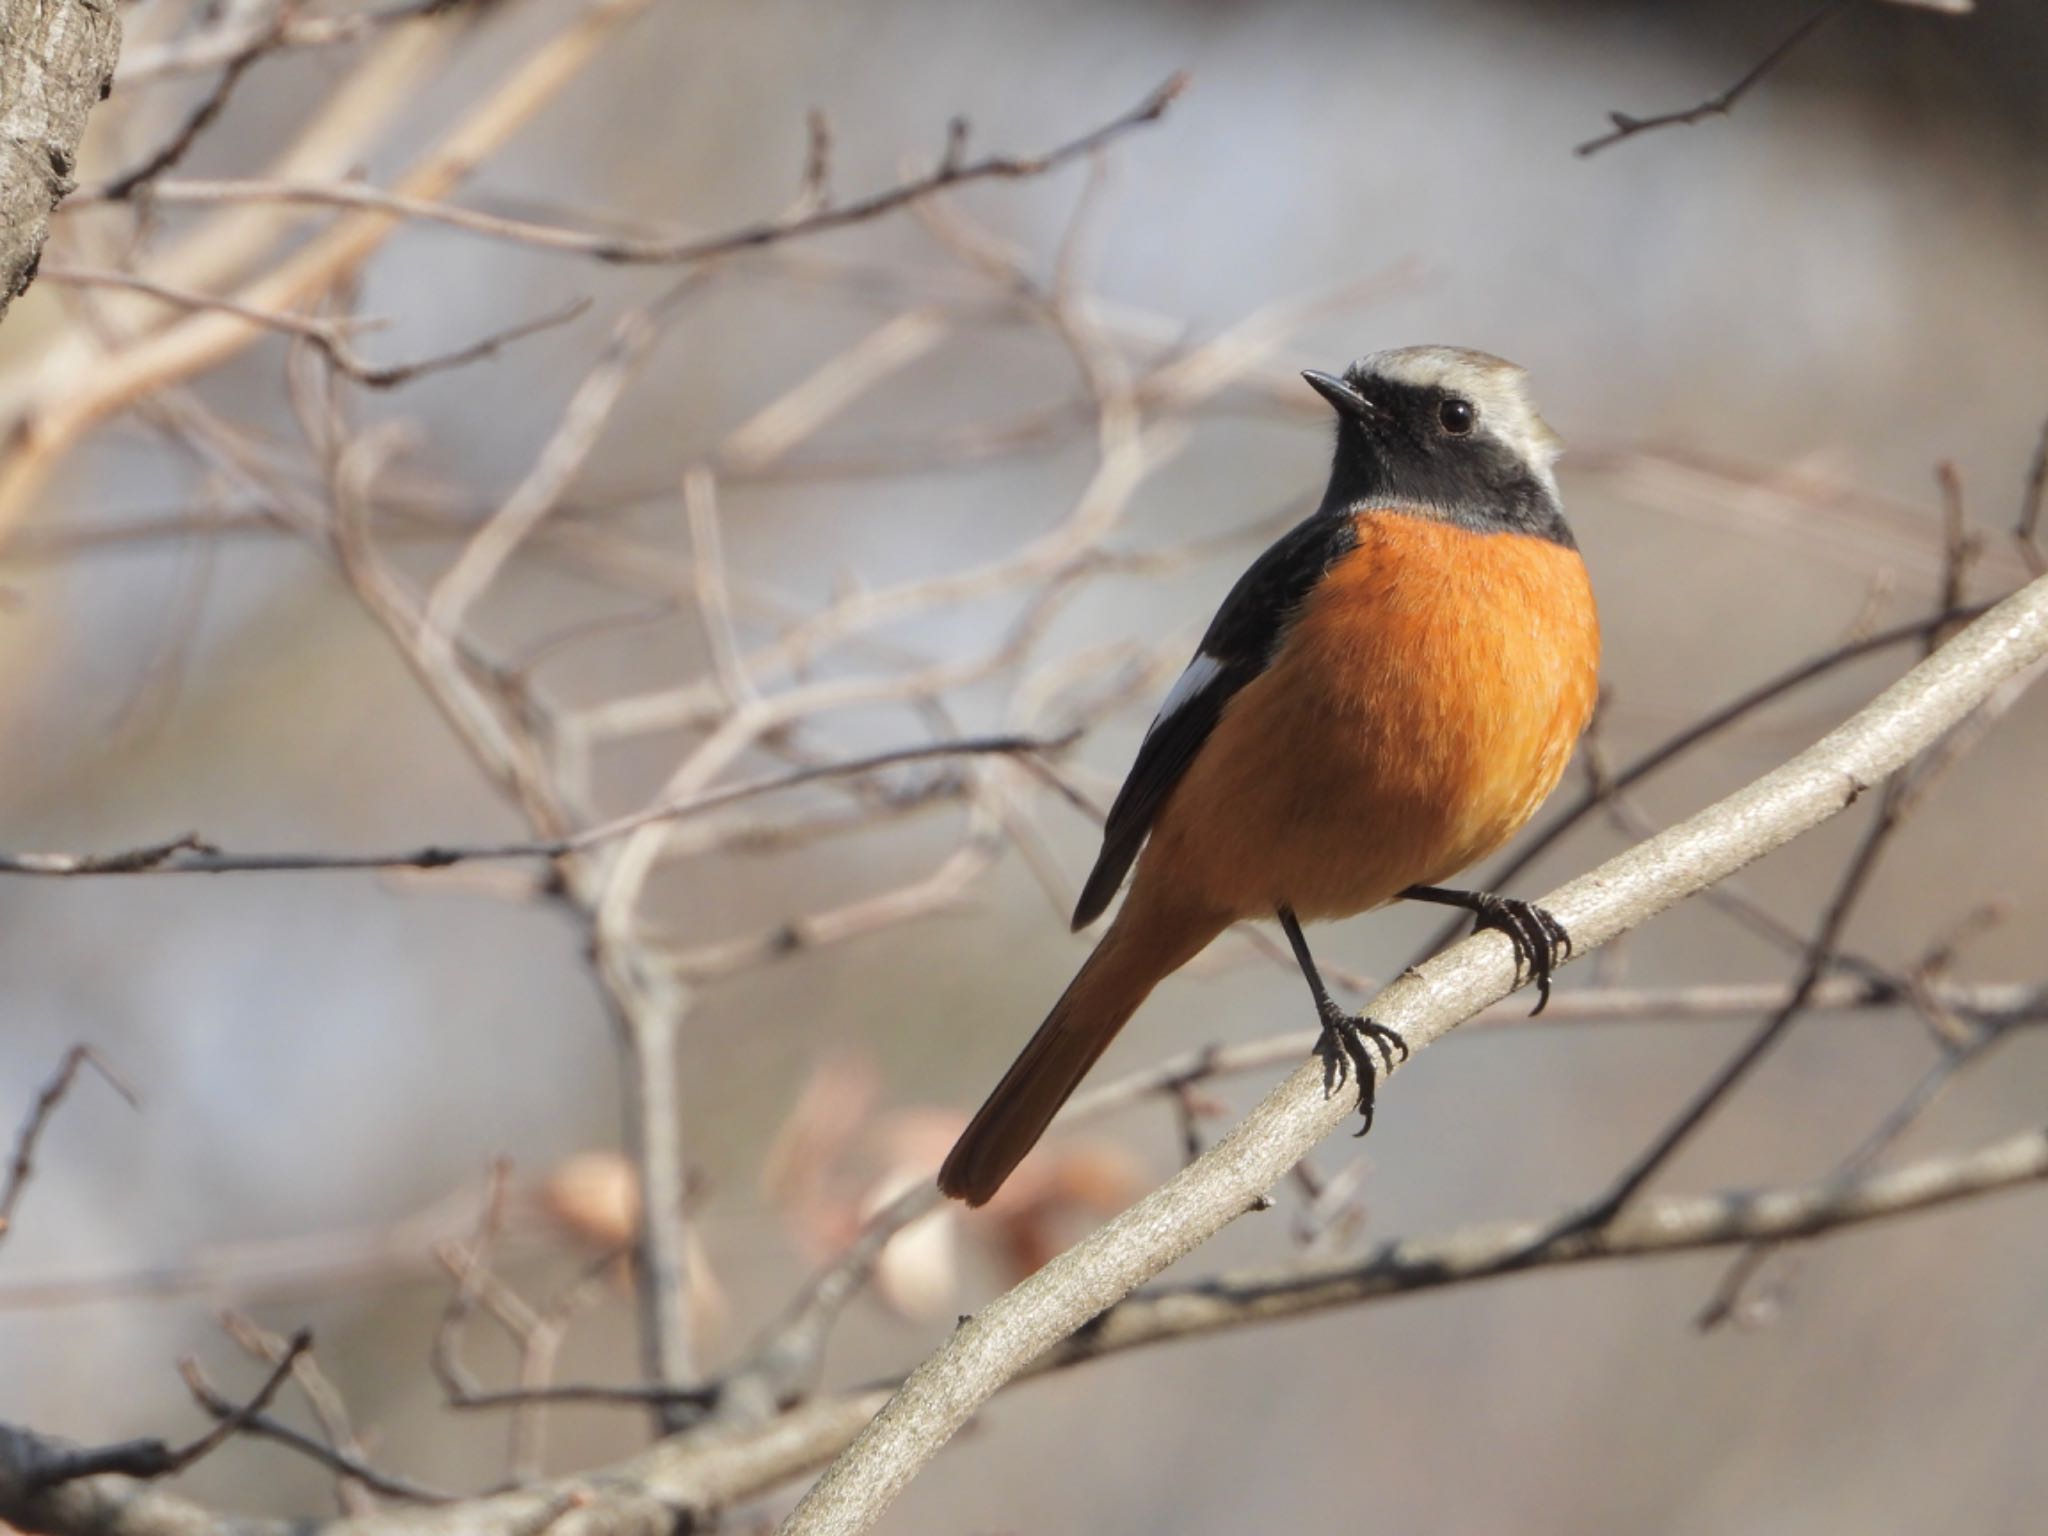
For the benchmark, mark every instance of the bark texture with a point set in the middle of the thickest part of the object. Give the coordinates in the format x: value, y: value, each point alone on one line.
x: 56, y: 61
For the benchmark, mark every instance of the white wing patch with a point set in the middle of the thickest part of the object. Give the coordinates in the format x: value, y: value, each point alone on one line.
x: 1200, y: 673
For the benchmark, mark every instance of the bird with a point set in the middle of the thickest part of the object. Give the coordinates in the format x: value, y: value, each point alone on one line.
x: 1385, y: 696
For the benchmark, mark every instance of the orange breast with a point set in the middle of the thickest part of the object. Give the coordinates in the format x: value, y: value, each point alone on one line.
x: 1422, y: 707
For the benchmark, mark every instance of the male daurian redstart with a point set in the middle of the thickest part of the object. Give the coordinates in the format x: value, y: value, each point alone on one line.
x: 1385, y: 696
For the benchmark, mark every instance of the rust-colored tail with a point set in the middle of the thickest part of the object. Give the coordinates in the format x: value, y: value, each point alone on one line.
x: 1142, y: 947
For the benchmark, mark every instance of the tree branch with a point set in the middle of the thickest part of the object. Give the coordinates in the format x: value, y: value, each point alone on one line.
x: 52, y: 1095
x: 1627, y: 127
x: 153, y: 1458
x: 953, y: 170
x: 56, y: 61
x: 192, y: 855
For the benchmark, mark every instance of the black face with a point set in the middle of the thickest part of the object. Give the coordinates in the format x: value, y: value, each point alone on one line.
x: 1426, y: 446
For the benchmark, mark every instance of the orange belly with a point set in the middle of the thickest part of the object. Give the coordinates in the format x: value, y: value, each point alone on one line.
x: 1422, y: 706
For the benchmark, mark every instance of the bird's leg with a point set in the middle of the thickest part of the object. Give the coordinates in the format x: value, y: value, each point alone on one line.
x: 1349, y: 1039
x: 1541, y: 943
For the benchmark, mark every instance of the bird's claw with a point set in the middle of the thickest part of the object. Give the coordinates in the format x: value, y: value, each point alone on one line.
x: 1540, y: 940
x: 1347, y: 1046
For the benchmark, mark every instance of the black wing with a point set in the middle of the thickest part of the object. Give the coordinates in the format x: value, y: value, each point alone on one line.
x: 1238, y: 646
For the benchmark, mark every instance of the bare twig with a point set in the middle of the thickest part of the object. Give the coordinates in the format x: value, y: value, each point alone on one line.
x: 1959, y: 547
x: 1728, y: 1299
x: 1820, y: 954
x: 2026, y: 531
x: 346, y: 1463
x: 1626, y: 126
x: 353, y: 1490
x: 221, y: 45
x: 470, y: 1265
x: 949, y: 173
x: 192, y: 855
x: 125, y: 186
x: 153, y: 1458
x: 328, y: 335
x: 67, y: 397
x: 53, y: 1092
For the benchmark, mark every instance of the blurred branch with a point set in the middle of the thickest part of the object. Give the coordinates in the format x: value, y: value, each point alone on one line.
x: 330, y: 336
x: 268, y: 1270
x: 346, y: 1463
x: 52, y: 1095
x: 2026, y: 531
x: 174, y: 149
x: 1627, y: 127
x: 219, y: 46
x: 1729, y: 1300
x: 62, y: 402
x: 356, y: 1482
x: 152, y: 1458
x: 1820, y: 954
x: 1018, y: 1327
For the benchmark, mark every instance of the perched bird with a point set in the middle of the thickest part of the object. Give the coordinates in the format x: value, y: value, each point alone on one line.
x: 1385, y: 696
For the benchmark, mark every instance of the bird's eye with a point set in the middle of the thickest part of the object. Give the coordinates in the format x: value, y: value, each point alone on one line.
x: 1457, y: 415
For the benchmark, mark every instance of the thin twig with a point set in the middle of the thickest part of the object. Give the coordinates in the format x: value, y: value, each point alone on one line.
x: 328, y: 335
x: 153, y: 1458
x: 1959, y: 547
x: 1820, y: 954
x: 2026, y: 531
x: 470, y: 1265
x: 948, y: 174
x: 52, y: 1095
x: 190, y: 854
x: 221, y: 45
x: 348, y: 1466
x: 1626, y: 126
x: 125, y: 186
x: 1728, y: 1299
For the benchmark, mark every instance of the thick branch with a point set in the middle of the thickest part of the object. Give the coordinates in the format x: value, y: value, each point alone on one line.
x: 56, y: 60
x: 1017, y: 1328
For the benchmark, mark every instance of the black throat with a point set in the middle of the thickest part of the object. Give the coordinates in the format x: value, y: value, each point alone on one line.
x: 1402, y: 459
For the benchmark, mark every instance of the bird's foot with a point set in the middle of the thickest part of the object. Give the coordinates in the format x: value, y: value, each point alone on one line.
x: 1541, y: 943
x: 1347, y: 1046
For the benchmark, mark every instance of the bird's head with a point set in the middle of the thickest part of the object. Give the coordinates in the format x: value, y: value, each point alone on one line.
x: 1444, y: 431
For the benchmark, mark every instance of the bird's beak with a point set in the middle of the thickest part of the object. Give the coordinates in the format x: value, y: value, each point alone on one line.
x: 1347, y: 400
